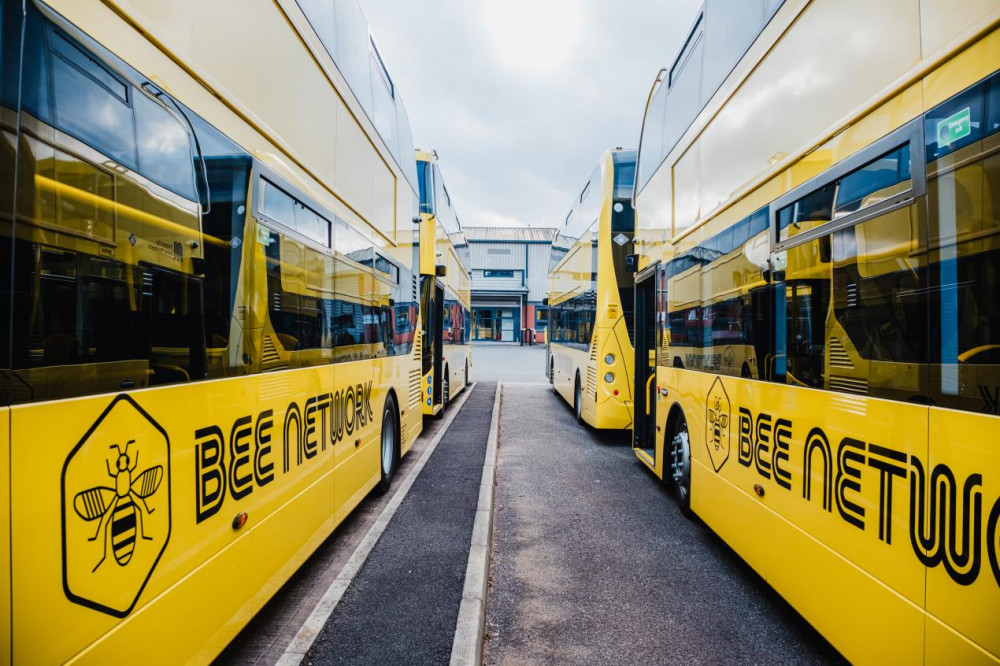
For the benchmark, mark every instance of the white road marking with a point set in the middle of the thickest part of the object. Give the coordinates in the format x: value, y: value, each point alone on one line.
x: 466, y: 649
x: 310, y: 629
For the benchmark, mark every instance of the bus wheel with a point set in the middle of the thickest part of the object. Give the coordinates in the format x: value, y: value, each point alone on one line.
x: 578, y: 400
x: 680, y: 465
x: 390, y: 445
x: 552, y: 376
x: 466, y: 372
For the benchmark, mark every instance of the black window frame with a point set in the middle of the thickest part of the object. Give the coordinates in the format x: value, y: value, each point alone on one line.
x: 911, y: 133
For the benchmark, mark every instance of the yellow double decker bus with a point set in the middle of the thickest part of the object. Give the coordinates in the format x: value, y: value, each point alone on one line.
x: 210, y: 282
x: 818, y: 310
x: 589, y: 345
x: 445, y: 291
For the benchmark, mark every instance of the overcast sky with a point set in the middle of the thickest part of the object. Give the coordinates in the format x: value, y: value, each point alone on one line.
x: 521, y: 97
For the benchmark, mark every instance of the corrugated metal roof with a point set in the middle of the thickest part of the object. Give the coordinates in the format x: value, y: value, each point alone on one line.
x: 510, y: 234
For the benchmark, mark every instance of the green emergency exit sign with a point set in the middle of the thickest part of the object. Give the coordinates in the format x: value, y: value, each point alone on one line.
x: 954, y: 127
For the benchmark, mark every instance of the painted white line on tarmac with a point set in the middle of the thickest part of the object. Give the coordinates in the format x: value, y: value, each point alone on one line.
x: 310, y: 629
x: 466, y: 649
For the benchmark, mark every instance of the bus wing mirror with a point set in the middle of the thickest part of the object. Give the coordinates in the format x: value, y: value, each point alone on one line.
x: 632, y: 263
x: 545, y: 301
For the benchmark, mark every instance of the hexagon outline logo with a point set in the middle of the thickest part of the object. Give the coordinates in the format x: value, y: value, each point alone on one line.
x: 117, y: 498
x: 718, y: 414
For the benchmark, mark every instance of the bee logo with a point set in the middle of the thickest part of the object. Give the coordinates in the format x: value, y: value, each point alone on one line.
x: 717, y: 417
x: 719, y: 423
x: 121, y: 508
x: 116, y: 513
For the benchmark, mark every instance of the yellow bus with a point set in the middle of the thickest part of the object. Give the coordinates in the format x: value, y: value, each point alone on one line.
x: 589, y: 345
x: 818, y: 310
x: 210, y: 345
x: 445, y: 291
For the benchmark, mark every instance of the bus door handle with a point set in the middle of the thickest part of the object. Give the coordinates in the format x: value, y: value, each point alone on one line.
x: 649, y: 383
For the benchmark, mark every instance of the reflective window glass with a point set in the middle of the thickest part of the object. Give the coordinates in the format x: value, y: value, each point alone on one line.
x: 383, y: 106
x: 406, y: 160
x: 321, y: 18
x: 425, y: 187
x: 964, y: 212
x: 277, y: 205
x: 624, y: 164
x: 91, y: 103
x: 812, y: 210
x: 165, y: 154
x: 874, y: 182
x: 352, y: 50
x: 651, y: 151
x: 955, y: 123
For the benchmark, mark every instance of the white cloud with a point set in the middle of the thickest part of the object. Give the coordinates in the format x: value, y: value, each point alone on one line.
x: 520, y: 97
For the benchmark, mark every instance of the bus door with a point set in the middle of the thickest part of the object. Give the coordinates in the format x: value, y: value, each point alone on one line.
x: 644, y: 433
x: 438, y: 324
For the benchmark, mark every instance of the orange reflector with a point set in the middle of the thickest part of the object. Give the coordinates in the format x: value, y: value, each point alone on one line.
x: 240, y: 520
x: 759, y: 489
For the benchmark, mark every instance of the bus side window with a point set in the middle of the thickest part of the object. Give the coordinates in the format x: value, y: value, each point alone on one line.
x: 964, y: 207
x: 91, y: 103
x: 165, y: 155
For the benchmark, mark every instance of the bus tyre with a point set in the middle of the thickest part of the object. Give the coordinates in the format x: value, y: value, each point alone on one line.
x: 680, y: 466
x: 466, y: 372
x: 578, y: 400
x: 389, y: 445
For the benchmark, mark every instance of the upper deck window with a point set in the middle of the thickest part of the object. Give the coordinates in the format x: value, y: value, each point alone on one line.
x: 383, y: 72
x: 425, y: 187
x: 624, y: 162
x: 689, y: 45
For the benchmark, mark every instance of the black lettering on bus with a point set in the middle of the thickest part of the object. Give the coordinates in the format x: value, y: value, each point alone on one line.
x: 360, y: 417
x: 849, y: 479
x: 993, y: 540
x: 337, y: 418
x: 762, y: 446
x: 782, y: 435
x: 293, y: 426
x: 239, y: 456
x: 817, y: 441
x: 746, y: 437
x: 349, y: 410
x: 887, y: 471
x: 309, y: 442
x: 263, y: 472
x: 323, y: 404
x: 210, y: 472
x: 960, y: 554
x: 368, y: 403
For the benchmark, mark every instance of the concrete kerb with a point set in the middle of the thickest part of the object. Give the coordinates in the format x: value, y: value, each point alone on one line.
x: 466, y: 650
x: 310, y: 629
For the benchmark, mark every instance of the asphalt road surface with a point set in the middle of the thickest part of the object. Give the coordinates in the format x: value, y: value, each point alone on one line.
x: 594, y: 564
x: 402, y: 607
x: 493, y: 361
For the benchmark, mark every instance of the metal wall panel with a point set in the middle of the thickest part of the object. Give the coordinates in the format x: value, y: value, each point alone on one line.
x: 497, y: 255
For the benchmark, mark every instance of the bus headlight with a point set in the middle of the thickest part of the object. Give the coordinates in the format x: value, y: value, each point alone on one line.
x: 609, y: 378
x: 609, y: 359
